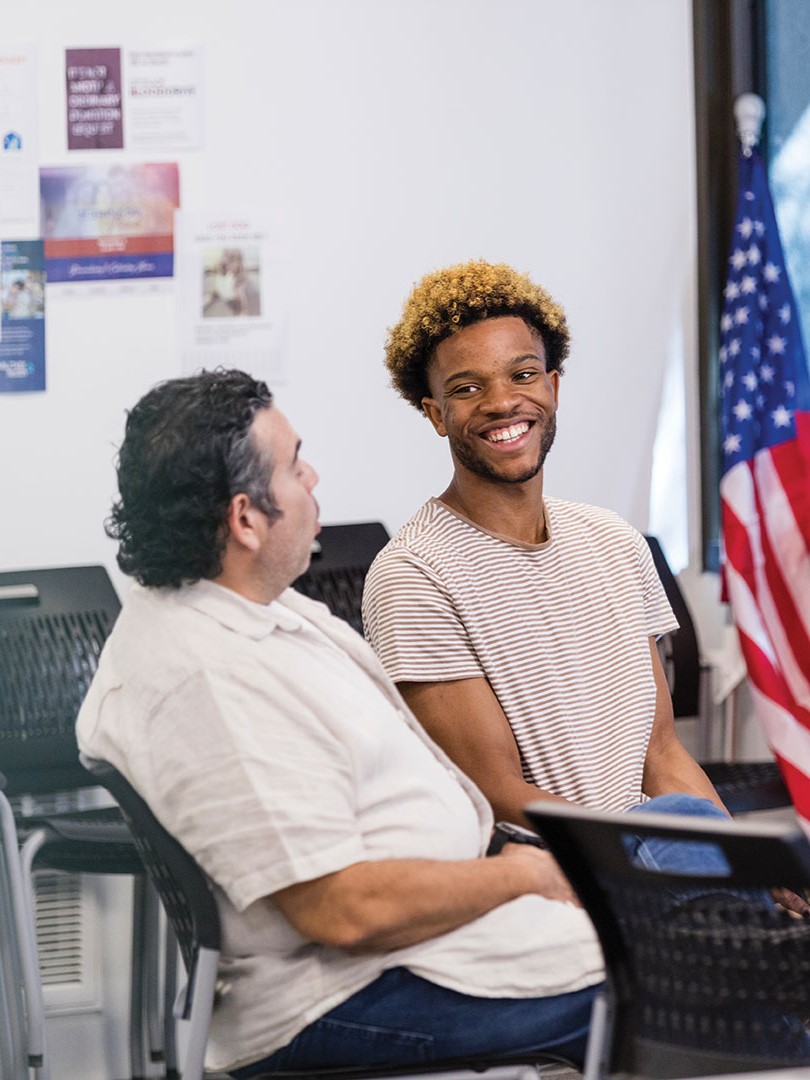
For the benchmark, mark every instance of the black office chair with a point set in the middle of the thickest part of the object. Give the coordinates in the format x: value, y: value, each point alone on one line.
x: 743, y: 786
x: 191, y: 908
x: 702, y: 977
x: 341, y: 557
x: 53, y: 625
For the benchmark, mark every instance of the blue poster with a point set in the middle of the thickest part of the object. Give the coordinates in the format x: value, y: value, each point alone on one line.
x: 22, y: 327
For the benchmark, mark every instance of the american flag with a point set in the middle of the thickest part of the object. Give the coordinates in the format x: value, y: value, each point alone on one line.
x: 765, y: 485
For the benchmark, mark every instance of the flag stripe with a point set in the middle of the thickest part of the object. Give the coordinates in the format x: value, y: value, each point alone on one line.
x: 782, y: 619
x: 767, y: 678
x: 798, y: 788
x: 746, y: 613
x: 789, y: 740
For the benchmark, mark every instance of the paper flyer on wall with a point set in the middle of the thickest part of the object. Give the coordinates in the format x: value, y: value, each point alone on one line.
x: 143, y: 98
x: 18, y: 141
x: 231, y: 307
x: 107, y: 222
x: 22, y: 287
x: 94, y: 113
x: 164, y: 98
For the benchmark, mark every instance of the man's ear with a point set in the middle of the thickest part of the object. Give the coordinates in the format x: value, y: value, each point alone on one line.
x: 554, y: 377
x: 434, y: 414
x: 242, y: 521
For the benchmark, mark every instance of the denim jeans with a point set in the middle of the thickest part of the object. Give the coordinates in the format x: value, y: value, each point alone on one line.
x: 403, y: 1019
x: 678, y: 856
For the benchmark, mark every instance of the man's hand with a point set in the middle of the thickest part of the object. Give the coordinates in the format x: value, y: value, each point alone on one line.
x: 792, y: 902
x: 551, y: 882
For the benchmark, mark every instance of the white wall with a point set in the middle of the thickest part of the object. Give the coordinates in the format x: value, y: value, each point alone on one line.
x: 391, y: 137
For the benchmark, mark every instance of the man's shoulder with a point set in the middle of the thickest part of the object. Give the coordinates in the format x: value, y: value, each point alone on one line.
x: 164, y: 636
x: 575, y: 519
x: 424, y: 535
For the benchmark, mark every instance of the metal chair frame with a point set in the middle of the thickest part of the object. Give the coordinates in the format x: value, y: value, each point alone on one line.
x: 53, y: 624
x: 21, y: 1006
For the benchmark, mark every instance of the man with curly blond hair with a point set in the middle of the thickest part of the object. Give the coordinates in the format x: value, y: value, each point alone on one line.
x: 521, y: 629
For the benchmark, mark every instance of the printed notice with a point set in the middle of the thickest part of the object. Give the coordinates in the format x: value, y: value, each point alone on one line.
x: 106, y: 222
x: 18, y: 141
x: 230, y: 291
x: 94, y: 109
x: 22, y: 345
x: 164, y: 98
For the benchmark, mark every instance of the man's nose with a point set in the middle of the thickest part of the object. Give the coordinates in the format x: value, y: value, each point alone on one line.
x: 312, y: 478
x: 500, y: 396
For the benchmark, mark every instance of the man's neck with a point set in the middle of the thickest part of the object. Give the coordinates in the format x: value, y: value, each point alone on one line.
x: 250, y: 585
x: 513, y: 510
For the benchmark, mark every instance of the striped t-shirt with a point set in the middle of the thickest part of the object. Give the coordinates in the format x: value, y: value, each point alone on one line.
x: 560, y: 630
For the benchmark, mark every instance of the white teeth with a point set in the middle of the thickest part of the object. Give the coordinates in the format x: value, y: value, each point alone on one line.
x: 508, y: 434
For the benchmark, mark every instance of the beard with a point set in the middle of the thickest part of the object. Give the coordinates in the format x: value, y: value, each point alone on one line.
x: 468, y: 456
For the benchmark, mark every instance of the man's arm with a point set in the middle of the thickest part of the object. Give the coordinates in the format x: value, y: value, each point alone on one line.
x: 667, y: 766
x: 379, y: 906
x: 465, y: 718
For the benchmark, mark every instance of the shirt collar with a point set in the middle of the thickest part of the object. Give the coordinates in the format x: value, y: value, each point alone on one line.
x: 235, y: 612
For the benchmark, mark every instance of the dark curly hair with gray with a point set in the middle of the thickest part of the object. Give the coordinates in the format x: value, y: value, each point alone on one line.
x: 446, y: 301
x: 187, y: 451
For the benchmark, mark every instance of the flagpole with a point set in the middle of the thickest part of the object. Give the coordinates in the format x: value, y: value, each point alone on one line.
x: 749, y: 112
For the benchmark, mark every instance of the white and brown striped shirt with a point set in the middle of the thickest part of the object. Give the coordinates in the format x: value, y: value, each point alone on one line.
x: 559, y: 629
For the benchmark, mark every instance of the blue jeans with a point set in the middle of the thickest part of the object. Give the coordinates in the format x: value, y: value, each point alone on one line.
x: 678, y: 856
x: 403, y: 1019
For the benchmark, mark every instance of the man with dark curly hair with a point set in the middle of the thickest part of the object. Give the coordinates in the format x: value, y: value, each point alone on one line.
x: 519, y: 628
x: 361, y: 925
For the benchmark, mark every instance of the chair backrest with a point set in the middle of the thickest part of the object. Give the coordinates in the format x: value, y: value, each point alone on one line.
x: 681, y: 652
x: 339, y: 566
x: 53, y: 625
x: 184, y: 889
x: 703, y: 976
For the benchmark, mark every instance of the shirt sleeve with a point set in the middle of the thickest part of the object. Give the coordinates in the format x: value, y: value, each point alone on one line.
x: 255, y: 785
x: 412, y: 623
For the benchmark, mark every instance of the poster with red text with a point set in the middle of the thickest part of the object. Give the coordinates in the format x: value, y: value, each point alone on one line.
x: 106, y: 222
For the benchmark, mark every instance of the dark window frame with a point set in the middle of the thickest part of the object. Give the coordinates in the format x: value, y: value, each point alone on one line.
x: 729, y: 51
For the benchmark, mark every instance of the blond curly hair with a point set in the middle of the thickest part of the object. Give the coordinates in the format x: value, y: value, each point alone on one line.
x: 446, y: 301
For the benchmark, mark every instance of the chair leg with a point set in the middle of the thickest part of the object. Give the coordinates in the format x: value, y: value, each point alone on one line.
x: 169, y: 995
x: 137, y: 974
x: 202, y: 997
x: 598, y: 1039
x: 13, y: 1021
x: 35, y: 1005
x: 151, y: 974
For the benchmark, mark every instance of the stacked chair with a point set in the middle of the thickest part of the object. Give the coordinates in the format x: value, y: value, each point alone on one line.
x: 53, y: 625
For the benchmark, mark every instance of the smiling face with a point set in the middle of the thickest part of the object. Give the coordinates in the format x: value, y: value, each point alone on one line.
x: 494, y: 400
